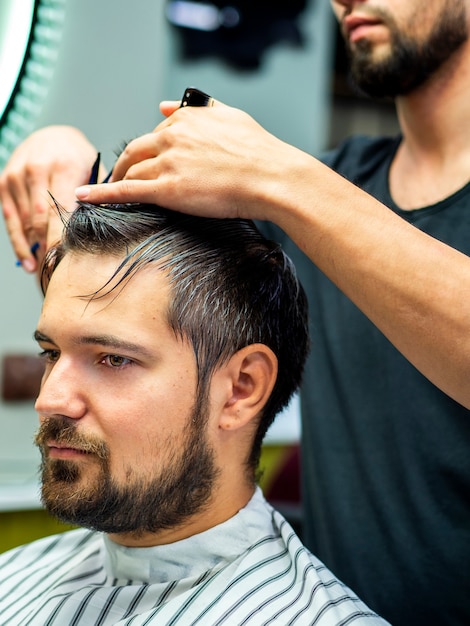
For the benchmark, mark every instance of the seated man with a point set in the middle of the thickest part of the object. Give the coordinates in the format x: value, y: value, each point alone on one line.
x: 170, y: 343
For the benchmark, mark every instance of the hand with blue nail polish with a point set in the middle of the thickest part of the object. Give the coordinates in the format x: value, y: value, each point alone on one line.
x: 51, y: 161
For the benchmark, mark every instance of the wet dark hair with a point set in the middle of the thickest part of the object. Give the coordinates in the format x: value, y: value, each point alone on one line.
x: 230, y: 286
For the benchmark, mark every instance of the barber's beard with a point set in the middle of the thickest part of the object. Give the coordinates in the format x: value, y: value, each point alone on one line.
x: 410, y: 62
x: 144, y: 503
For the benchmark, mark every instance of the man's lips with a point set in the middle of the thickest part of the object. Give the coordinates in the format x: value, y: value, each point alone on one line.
x: 64, y: 451
x: 358, y: 26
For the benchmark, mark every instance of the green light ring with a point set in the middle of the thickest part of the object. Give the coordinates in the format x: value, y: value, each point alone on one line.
x: 28, y: 95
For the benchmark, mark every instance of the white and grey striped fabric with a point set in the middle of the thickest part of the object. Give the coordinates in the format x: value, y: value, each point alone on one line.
x: 251, y: 569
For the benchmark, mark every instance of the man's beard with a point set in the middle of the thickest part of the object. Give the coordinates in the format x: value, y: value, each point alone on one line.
x: 144, y: 503
x: 410, y: 63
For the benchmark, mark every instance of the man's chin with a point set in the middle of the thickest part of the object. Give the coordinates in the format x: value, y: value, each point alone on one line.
x: 67, y: 483
x: 71, y: 501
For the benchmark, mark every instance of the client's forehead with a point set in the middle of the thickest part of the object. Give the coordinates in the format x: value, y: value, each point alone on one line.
x: 80, y: 295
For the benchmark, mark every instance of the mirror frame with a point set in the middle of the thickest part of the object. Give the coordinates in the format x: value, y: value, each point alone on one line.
x: 29, y: 92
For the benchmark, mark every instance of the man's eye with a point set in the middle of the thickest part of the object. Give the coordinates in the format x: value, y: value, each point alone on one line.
x: 114, y: 360
x: 51, y: 356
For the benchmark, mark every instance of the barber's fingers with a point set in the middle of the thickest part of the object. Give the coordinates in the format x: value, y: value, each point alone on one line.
x: 61, y: 196
x: 47, y: 189
x: 137, y: 165
x: 150, y: 145
x: 136, y: 151
x: 39, y: 204
x: 52, y: 160
x: 18, y: 236
x: 145, y: 191
x: 140, y: 150
x: 28, y: 189
x: 136, y: 175
x: 24, y: 208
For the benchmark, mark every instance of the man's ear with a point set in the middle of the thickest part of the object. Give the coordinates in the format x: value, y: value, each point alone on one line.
x: 248, y: 380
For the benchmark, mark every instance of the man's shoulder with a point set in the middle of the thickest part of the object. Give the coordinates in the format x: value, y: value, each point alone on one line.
x: 47, y: 547
x: 359, y: 155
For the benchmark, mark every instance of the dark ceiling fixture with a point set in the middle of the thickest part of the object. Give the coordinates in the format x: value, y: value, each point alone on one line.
x: 238, y: 32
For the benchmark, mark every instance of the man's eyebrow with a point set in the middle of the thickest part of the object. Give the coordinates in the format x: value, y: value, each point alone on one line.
x: 111, y: 341
x: 108, y: 341
x: 39, y: 336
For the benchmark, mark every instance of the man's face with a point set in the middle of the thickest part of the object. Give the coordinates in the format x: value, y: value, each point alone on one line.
x: 122, y: 433
x: 394, y: 46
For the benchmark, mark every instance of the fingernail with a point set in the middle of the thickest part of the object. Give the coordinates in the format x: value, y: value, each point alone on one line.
x: 82, y: 192
x: 29, y: 265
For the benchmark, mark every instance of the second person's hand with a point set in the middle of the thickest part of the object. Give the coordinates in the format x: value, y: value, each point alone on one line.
x: 52, y: 160
x: 188, y: 164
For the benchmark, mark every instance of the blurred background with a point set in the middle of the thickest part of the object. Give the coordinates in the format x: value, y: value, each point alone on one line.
x: 104, y: 67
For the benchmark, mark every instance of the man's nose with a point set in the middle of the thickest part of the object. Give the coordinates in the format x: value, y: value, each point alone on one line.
x: 62, y: 392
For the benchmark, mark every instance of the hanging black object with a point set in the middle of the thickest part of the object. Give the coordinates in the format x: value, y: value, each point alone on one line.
x: 237, y: 32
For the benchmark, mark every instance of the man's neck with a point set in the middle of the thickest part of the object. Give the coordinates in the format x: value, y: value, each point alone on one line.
x: 223, y: 505
x: 433, y: 160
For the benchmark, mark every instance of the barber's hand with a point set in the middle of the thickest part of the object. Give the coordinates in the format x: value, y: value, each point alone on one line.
x: 211, y: 161
x: 52, y: 160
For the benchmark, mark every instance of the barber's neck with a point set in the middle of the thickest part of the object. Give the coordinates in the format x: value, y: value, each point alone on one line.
x: 434, y: 117
x: 433, y: 160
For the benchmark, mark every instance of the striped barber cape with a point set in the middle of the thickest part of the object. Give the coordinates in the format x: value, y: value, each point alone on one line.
x: 252, y: 569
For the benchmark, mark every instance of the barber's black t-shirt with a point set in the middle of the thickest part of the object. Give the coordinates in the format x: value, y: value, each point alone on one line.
x: 385, y: 454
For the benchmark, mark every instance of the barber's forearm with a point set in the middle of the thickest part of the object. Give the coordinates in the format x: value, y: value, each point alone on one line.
x: 413, y: 287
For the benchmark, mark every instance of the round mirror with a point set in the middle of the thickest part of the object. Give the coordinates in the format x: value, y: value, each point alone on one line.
x: 29, y: 37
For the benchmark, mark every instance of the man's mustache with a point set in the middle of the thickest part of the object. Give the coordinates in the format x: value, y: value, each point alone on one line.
x: 62, y: 431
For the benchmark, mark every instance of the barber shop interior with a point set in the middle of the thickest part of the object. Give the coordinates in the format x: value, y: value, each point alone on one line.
x: 104, y: 67
x: 233, y: 323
